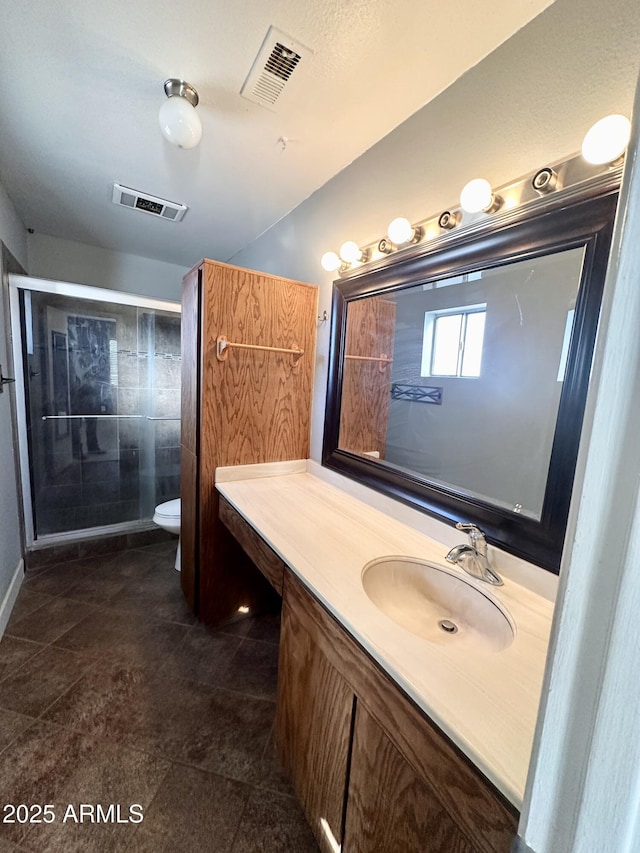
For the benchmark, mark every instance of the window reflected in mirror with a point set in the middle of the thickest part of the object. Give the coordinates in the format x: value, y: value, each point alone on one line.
x: 494, y: 344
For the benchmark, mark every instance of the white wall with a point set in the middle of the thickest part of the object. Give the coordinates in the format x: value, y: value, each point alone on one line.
x: 67, y: 260
x: 526, y: 105
x: 13, y: 235
x: 584, y: 791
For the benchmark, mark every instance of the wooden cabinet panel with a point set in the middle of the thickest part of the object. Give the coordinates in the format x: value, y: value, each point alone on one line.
x: 390, y: 809
x: 313, y: 727
x: 481, y: 813
x: 255, y: 406
x: 188, y: 524
x: 253, y: 545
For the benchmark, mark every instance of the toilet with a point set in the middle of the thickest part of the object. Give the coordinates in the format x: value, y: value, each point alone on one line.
x: 167, y: 516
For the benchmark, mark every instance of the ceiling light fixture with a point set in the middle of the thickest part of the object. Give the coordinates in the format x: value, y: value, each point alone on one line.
x: 606, y: 140
x: 401, y: 232
x: 477, y: 196
x: 179, y: 121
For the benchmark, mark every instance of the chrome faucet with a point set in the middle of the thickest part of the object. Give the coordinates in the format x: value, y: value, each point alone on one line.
x: 473, y: 557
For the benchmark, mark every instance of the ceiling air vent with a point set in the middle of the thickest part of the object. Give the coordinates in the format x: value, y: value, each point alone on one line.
x: 279, y: 57
x: 159, y: 207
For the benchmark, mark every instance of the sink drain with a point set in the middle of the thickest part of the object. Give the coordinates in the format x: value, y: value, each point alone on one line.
x: 447, y: 626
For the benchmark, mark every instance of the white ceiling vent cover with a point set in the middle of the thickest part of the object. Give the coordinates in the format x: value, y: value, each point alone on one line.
x: 273, y: 67
x: 159, y: 207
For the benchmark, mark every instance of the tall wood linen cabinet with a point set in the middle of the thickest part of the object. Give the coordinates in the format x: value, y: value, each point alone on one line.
x: 245, y: 399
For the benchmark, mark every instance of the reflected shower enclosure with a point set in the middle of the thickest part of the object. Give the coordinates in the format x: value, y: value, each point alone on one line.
x: 99, y: 406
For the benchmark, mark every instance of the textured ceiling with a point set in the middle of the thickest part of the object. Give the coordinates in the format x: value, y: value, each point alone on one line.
x: 83, y: 85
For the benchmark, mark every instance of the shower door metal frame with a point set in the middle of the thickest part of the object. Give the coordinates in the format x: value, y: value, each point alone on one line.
x: 77, y: 291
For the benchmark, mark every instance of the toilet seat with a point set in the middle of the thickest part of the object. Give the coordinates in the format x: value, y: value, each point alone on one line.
x: 169, y: 510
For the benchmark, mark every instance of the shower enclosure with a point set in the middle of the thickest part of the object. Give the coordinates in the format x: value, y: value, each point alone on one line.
x: 98, y: 407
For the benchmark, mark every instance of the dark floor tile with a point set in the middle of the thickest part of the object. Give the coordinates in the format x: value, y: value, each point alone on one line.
x: 129, y: 564
x: 253, y: 670
x: 49, y: 764
x: 123, y: 637
x: 262, y: 626
x: 37, y: 558
x: 232, y: 735
x: 272, y: 823
x: 41, y: 681
x: 214, y: 807
x: 8, y: 847
x: 102, y: 545
x: 96, y: 588
x: 50, y: 621
x: 14, y: 652
x: 271, y: 775
x: 59, y: 577
x: 265, y: 627
x: 27, y: 601
x: 31, y: 769
x: 202, y: 656
x: 157, y: 595
x: 109, y: 703
x: 107, y: 775
x: 211, y: 728
x: 155, y: 538
x: 11, y: 725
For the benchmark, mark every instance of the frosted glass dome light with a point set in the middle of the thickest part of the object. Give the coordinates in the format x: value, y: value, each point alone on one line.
x: 606, y: 140
x: 330, y: 262
x: 400, y: 231
x: 477, y: 195
x: 179, y: 121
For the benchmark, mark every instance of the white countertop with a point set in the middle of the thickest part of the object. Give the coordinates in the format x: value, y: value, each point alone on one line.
x: 486, y: 702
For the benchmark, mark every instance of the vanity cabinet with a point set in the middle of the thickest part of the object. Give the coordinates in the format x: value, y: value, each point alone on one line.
x: 247, y: 402
x: 366, y: 763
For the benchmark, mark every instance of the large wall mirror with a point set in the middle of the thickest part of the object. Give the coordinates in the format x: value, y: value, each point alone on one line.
x: 458, y: 376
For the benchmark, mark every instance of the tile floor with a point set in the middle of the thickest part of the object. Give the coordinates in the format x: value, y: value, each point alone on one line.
x: 111, y: 693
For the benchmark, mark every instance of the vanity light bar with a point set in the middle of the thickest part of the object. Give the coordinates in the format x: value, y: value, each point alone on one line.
x: 601, y: 157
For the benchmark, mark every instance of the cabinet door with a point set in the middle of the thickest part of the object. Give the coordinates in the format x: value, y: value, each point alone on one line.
x: 390, y: 809
x: 313, y: 726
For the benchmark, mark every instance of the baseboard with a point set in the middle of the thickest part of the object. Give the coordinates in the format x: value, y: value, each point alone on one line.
x: 6, y: 605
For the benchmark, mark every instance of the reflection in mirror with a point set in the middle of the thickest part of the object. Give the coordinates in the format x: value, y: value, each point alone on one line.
x: 458, y: 373
x: 459, y: 380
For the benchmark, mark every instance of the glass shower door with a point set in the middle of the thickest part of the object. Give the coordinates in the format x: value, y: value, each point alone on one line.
x: 102, y: 399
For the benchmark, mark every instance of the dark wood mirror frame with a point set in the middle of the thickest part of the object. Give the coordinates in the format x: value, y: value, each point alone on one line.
x: 552, y: 226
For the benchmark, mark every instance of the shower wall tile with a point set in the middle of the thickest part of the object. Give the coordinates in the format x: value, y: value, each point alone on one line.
x: 129, y: 400
x: 128, y: 373
x: 166, y: 403
x: 167, y: 433
x: 166, y: 372
x: 167, y: 334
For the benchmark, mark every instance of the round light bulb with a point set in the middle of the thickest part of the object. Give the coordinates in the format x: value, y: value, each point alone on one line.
x: 330, y: 261
x: 606, y: 140
x: 350, y: 252
x: 179, y: 122
x: 400, y: 231
x: 477, y: 195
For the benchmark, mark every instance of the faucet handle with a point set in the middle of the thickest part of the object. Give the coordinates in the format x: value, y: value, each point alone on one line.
x: 476, y: 536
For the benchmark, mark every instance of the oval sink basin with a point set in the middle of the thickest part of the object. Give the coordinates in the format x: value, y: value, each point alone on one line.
x: 436, y: 604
